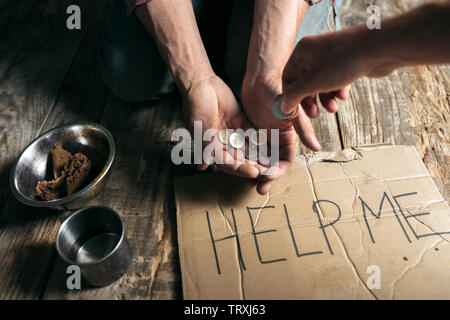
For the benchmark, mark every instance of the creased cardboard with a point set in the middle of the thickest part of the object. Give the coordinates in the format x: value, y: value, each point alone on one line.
x: 365, y: 223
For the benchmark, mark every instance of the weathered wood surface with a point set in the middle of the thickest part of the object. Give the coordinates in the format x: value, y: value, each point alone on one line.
x: 48, y: 77
x: 48, y: 82
x: 139, y: 189
x: 326, y: 125
x: 30, y: 78
x: 411, y: 106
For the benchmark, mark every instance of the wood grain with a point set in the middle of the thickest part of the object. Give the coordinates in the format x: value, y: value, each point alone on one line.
x: 48, y: 77
x: 35, y: 58
x: 139, y: 190
x: 44, y: 93
x: 326, y: 125
x: 429, y: 113
x: 410, y: 106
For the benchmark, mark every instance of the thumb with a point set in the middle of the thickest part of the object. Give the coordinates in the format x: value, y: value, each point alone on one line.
x: 295, y: 92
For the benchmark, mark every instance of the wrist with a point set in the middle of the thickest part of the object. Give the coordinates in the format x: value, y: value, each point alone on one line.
x: 261, y: 87
x: 261, y: 81
x: 186, y: 78
x: 263, y: 70
x: 173, y: 26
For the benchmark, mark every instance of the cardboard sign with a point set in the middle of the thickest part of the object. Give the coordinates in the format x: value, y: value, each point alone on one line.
x: 366, y: 223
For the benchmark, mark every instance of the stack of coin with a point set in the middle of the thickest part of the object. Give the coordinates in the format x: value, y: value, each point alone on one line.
x: 235, y: 139
x: 224, y: 136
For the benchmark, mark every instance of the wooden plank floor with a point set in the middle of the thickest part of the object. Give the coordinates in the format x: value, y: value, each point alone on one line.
x: 411, y: 106
x: 48, y: 77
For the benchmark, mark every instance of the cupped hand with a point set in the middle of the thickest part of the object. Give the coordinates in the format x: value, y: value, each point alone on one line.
x: 213, y: 103
x: 258, y: 96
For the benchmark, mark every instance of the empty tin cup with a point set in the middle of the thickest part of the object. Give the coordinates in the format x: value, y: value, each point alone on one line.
x: 94, y: 239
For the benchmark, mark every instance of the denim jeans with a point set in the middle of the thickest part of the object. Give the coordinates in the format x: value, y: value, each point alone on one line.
x: 131, y: 66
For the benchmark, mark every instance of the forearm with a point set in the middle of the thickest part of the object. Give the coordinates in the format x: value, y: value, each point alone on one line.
x: 421, y: 36
x: 273, y: 35
x: 172, y: 24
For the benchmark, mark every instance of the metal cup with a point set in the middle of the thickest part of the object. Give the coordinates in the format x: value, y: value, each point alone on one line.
x: 94, y: 239
x: 34, y: 164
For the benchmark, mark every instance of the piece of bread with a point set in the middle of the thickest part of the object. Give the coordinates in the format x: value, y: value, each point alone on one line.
x: 60, y: 159
x: 76, y: 172
x: 70, y: 172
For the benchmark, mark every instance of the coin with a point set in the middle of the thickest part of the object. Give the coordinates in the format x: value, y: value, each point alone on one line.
x: 276, y: 109
x: 237, y: 140
x: 223, y: 136
x: 258, y: 138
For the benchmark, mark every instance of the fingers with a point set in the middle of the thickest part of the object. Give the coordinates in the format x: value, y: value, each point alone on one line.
x: 329, y: 99
x: 309, y: 104
x: 267, y: 177
x: 304, y: 91
x: 231, y: 161
x: 296, y: 92
x: 243, y: 170
x: 203, y: 166
x: 264, y: 188
x: 305, y: 130
x: 329, y: 102
x: 234, y: 162
x: 209, y: 147
x: 343, y: 93
x: 286, y: 157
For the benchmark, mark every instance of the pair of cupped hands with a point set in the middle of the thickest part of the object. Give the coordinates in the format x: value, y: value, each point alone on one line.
x: 303, y: 80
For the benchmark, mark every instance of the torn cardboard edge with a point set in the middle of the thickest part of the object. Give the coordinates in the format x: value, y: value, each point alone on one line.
x: 346, y: 155
x: 317, y: 242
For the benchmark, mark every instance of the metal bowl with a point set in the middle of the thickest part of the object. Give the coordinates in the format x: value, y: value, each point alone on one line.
x: 34, y: 164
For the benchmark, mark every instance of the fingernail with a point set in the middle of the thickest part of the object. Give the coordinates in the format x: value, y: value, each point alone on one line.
x: 255, y: 172
x: 282, y: 105
x: 285, y: 111
x: 316, y: 144
x: 284, y: 108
